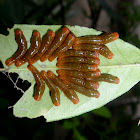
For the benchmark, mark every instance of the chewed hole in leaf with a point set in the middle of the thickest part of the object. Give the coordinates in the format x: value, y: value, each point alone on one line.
x: 23, y: 84
x: 18, y: 83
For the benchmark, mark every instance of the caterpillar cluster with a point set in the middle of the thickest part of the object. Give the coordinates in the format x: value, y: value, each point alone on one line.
x: 78, y: 67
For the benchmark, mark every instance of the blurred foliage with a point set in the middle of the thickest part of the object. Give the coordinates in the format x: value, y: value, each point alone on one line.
x: 103, y: 111
x: 130, y: 18
x: 116, y: 121
x: 39, y: 12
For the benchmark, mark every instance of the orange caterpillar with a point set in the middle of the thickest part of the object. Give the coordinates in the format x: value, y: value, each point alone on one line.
x: 55, y: 95
x: 73, y: 59
x: 65, y: 46
x: 106, y: 78
x: 81, y: 81
x: 40, y: 87
x: 80, y: 53
x: 22, y: 48
x: 58, y: 40
x: 46, y: 42
x: 83, y: 90
x: 99, y: 40
x: 35, y: 45
x: 70, y: 94
x: 80, y: 74
x: 78, y: 66
x: 63, y: 41
x: 102, y: 49
x: 52, y: 46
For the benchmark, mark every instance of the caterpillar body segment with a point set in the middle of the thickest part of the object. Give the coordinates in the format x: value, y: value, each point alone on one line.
x: 35, y: 45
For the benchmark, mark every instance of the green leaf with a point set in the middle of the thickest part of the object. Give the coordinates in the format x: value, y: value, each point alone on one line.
x: 125, y: 65
x: 103, y: 111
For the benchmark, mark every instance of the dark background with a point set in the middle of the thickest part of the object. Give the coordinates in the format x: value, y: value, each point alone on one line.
x: 119, y: 119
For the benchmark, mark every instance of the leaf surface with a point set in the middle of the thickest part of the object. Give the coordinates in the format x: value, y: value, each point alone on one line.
x: 125, y: 65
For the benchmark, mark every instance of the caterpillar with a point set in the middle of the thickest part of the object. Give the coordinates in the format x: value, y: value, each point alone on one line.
x: 55, y: 95
x: 87, y: 47
x: 70, y: 94
x: 85, y: 91
x: 99, y: 40
x: 41, y: 50
x: 80, y: 74
x: 65, y: 46
x: 35, y: 45
x: 59, y: 39
x: 40, y: 84
x: 46, y: 42
x: 102, y: 49
x: 80, y: 53
x: 75, y: 59
x: 80, y: 81
x: 106, y: 78
x: 22, y: 48
x: 78, y: 67
x: 52, y: 46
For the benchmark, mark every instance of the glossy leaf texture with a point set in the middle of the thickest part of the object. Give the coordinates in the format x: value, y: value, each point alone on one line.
x: 125, y: 65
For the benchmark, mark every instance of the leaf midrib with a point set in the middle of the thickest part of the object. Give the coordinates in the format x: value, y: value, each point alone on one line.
x: 100, y: 67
